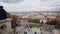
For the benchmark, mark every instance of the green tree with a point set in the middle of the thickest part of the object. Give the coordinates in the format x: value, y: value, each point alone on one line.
x: 53, y: 22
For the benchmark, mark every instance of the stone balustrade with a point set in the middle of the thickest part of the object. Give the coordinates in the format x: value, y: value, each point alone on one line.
x: 5, y: 26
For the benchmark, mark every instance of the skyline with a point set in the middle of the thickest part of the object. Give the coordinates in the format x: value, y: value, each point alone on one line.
x: 30, y: 5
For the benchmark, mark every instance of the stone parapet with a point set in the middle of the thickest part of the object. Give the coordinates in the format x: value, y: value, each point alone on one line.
x: 5, y: 26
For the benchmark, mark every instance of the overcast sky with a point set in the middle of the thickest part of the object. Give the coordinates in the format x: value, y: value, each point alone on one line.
x: 30, y: 5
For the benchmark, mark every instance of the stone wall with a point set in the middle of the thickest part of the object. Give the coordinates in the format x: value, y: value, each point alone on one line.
x: 5, y: 26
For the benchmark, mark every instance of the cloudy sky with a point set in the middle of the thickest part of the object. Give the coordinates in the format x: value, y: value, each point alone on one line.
x: 30, y: 5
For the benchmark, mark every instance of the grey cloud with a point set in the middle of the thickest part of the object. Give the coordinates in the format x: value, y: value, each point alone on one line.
x: 48, y: 5
x: 45, y: 0
x: 55, y: 9
x: 11, y: 1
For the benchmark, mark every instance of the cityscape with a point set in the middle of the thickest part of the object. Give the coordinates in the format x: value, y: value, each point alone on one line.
x: 29, y: 16
x: 34, y: 22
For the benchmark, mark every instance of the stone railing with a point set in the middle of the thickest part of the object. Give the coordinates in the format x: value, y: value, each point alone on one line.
x: 5, y: 26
